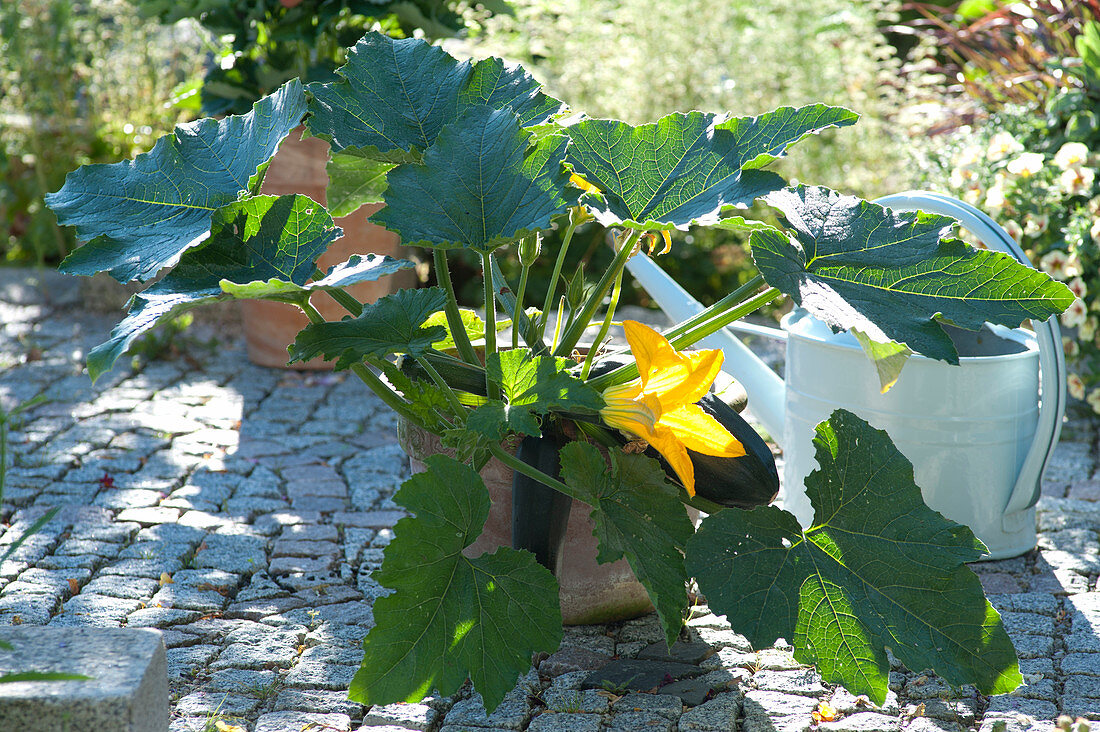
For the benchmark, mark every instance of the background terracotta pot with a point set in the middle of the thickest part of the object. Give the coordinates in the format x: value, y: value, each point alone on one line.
x: 270, y: 327
x: 590, y: 592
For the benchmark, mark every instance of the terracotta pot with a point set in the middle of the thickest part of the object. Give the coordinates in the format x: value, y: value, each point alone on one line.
x: 589, y: 592
x: 270, y: 327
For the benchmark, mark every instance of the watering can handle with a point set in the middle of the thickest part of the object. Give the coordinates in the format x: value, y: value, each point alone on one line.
x: 1052, y: 362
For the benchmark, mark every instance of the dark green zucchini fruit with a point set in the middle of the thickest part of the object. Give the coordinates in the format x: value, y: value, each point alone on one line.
x: 744, y: 482
x: 539, y: 513
x: 458, y: 374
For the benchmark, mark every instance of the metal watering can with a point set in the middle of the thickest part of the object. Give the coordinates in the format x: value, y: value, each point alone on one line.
x: 979, y: 434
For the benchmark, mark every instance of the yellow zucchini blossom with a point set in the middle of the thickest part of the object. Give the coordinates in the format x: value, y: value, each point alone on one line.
x: 659, y: 406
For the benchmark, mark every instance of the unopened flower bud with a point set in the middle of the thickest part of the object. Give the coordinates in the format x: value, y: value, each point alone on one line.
x: 529, y: 249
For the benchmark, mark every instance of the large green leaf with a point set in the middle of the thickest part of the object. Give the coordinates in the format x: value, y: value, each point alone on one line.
x: 889, y: 358
x: 637, y: 514
x: 765, y: 138
x: 471, y: 323
x: 532, y: 385
x: 857, y: 265
x: 141, y: 215
x: 483, y: 183
x: 687, y: 168
x: 354, y: 180
x: 264, y: 237
x: 878, y: 569
x: 358, y: 268
x: 451, y: 616
x: 395, y: 96
x: 391, y: 324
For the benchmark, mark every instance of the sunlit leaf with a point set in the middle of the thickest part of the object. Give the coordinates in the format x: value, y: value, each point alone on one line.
x: 354, y: 180
x: 139, y: 216
x: 41, y: 676
x: 767, y: 137
x: 471, y: 323
x: 394, y: 97
x: 450, y: 616
x: 889, y: 358
x: 877, y: 569
x: 891, y: 275
x: 687, y: 168
x: 358, y: 268
x: 532, y: 385
x: 264, y: 237
x: 391, y: 324
x: 483, y: 183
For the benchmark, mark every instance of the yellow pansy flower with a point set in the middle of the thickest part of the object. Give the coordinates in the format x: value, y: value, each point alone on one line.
x: 659, y: 406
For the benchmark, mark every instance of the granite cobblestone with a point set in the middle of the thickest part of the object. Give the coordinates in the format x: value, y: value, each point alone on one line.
x: 199, y: 503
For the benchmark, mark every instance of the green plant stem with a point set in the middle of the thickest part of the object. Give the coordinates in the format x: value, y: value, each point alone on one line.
x: 392, y: 399
x: 552, y: 287
x: 557, y: 324
x: 519, y: 304
x: 528, y: 328
x: 715, y: 324
x: 579, y: 322
x: 734, y: 298
x: 454, y: 318
x: 606, y: 326
x: 683, y: 340
x: 452, y: 398
x: 345, y: 300
x: 492, y: 390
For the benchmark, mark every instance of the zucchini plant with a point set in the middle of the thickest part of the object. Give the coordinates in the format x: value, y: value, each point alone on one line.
x: 476, y: 156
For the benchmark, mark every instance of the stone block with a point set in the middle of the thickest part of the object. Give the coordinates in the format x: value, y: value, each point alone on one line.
x: 715, y: 715
x: 407, y: 716
x: 127, y: 689
x: 284, y: 721
x: 565, y: 722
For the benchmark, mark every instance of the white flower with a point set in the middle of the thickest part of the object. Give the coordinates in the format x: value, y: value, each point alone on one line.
x: 1053, y: 263
x: 1087, y: 330
x: 963, y: 177
x: 1075, y: 314
x: 1094, y: 232
x: 1077, y: 181
x: 995, y: 198
x: 968, y: 157
x: 1094, y: 400
x: 1075, y: 386
x: 1001, y: 145
x: 972, y: 195
x: 1070, y: 347
x: 1073, y: 266
x: 1071, y: 155
x: 1094, y: 206
x: 1026, y: 165
x: 1078, y: 287
x: 1013, y: 229
x: 1036, y: 225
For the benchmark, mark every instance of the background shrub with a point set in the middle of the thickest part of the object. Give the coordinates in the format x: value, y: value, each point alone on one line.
x: 80, y: 82
x: 638, y: 60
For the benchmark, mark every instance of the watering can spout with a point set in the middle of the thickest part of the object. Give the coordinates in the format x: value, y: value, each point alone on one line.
x: 766, y: 389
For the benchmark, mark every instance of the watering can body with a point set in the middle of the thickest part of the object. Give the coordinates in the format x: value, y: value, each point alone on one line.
x: 978, y: 434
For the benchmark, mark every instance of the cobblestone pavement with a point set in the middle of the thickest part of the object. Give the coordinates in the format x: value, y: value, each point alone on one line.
x: 241, y: 510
